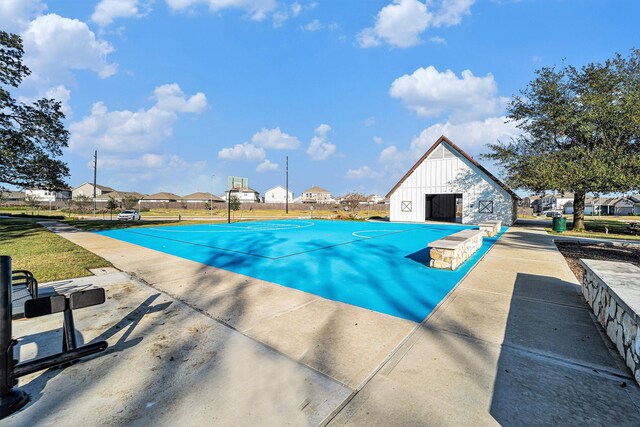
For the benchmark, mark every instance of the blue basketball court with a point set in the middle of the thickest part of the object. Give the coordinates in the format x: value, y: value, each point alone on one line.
x: 379, y: 266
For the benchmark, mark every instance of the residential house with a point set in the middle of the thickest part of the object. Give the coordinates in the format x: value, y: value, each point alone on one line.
x: 9, y: 196
x: 600, y: 205
x: 86, y: 189
x: 200, y: 197
x: 316, y: 194
x: 245, y: 195
x: 552, y: 202
x: 48, y: 195
x: 376, y: 199
x: 568, y: 208
x: 278, y: 194
x: 162, y: 197
x: 628, y: 205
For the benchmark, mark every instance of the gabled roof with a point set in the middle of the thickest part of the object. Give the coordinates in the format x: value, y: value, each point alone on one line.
x: 278, y: 186
x: 244, y: 190
x: 123, y: 194
x: 161, y: 196
x: 316, y: 189
x: 201, y: 196
x: 463, y: 154
x: 98, y: 186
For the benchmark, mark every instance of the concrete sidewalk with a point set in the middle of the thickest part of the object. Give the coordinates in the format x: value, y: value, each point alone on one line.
x: 167, y: 364
x: 514, y: 344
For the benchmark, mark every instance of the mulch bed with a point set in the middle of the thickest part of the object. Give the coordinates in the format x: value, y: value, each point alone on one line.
x: 574, y: 251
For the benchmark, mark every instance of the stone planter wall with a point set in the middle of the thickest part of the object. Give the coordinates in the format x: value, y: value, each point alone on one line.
x: 450, y: 252
x: 612, y: 289
x: 490, y: 228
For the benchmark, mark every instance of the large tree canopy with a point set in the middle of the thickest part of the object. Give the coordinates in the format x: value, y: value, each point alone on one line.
x: 581, y: 131
x: 31, y: 136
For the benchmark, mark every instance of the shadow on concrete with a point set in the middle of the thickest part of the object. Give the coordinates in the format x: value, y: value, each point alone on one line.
x: 554, y: 367
x: 50, y: 342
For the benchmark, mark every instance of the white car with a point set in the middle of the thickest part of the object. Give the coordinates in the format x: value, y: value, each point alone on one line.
x: 129, y: 215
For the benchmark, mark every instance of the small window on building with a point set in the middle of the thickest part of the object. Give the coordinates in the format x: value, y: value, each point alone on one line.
x: 485, y: 206
x: 405, y: 206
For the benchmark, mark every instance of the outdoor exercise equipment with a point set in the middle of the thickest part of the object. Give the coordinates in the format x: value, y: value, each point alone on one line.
x: 11, y: 398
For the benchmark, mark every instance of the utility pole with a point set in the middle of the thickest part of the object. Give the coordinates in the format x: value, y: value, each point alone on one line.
x: 211, y: 205
x: 286, y: 191
x: 95, y: 169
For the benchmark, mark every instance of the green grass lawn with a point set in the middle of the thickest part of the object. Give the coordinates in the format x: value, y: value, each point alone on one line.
x: 48, y: 256
x: 598, y: 227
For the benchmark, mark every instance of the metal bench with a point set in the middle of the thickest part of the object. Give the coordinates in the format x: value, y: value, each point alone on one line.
x: 634, y: 228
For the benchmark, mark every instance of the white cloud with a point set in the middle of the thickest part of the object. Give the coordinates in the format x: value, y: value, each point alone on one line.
x: 55, y: 45
x: 471, y: 136
x: 275, y: 139
x: 320, y: 148
x: 267, y: 166
x: 451, y: 12
x: 377, y: 140
x: 257, y: 9
x: 15, y: 15
x: 108, y: 10
x: 363, y: 172
x: 131, y: 131
x: 431, y: 93
x: 438, y: 40
x: 369, y: 121
x: 244, y: 151
x: 170, y: 97
x: 279, y: 18
x: 288, y: 12
x: 296, y: 8
x: 401, y: 23
x: 158, y: 172
x: 398, y: 24
x: 314, y: 25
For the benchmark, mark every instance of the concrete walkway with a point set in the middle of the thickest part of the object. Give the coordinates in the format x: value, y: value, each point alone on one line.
x: 167, y: 364
x: 513, y: 344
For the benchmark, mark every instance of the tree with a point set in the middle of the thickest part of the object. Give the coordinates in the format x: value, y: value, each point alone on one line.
x: 353, y: 203
x: 234, y: 202
x: 581, y: 132
x: 82, y: 202
x: 69, y: 204
x: 33, y: 201
x: 128, y: 202
x: 31, y: 136
x: 112, y: 205
x: 4, y: 196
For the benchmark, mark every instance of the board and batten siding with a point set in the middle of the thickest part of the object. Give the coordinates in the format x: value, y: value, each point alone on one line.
x: 445, y: 171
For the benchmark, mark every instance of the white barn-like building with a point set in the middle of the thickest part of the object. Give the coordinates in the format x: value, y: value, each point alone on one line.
x: 277, y: 194
x: 446, y: 184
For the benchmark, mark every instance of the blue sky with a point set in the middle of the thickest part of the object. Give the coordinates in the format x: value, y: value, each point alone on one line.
x: 171, y: 92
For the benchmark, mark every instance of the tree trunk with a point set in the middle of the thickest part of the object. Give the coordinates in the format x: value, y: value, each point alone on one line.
x: 578, y: 210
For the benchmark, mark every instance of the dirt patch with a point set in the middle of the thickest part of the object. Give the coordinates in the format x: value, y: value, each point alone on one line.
x: 574, y: 251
